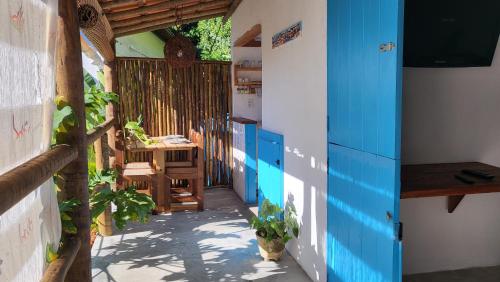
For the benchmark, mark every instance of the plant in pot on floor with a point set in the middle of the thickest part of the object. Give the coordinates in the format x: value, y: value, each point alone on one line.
x: 273, y: 231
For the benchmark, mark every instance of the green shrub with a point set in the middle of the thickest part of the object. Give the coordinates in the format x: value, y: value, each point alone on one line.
x: 270, y: 224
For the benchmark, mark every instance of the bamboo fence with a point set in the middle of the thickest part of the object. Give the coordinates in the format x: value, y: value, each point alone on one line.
x: 175, y: 100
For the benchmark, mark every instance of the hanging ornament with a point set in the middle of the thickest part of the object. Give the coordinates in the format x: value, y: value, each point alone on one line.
x: 179, y: 50
x: 87, y: 15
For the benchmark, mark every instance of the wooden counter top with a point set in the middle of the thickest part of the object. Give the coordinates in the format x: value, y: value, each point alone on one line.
x: 430, y: 180
x: 243, y: 120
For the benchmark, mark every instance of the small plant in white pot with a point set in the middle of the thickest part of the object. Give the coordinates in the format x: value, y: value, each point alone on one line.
x: 273, y: 231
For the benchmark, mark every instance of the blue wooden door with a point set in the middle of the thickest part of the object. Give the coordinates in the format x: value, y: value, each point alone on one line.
x: 364, y: 116
x: 270, y: 167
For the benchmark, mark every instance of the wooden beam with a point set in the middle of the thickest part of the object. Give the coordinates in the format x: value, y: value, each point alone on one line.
x: 24, y: 179
x: 248, y: 36
x: 57, y: 270
x: 234, y: 5
x: 133, y: 30
x: 99, y: 131
x: 127, y: 5
x: 69, y: 85
x: 113, y: 16
x: 169, y: 14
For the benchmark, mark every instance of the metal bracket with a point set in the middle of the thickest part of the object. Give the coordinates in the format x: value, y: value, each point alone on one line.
x: 398, y: 230
x: 386, y: 47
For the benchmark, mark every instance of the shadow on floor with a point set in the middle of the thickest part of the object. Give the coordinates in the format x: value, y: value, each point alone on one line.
x: 214, y: 245
x: 483, y: 274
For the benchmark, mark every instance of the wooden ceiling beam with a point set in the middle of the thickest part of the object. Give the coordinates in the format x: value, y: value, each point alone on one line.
x: 234, y: 6
x: 249, y: 36
x: 202, y: 16
x: 130, y: 4
x: 144, y: 10
x: 171, y: 13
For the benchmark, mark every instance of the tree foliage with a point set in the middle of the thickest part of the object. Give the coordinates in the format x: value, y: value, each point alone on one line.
x: 211, y: 37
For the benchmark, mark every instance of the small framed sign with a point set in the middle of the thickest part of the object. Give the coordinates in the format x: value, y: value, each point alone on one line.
x: 287, y: 35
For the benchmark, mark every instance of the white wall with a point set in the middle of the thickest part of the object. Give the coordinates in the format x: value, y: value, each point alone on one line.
x: 294, y: 104
x: 244, y: 105
x: 451, y: 115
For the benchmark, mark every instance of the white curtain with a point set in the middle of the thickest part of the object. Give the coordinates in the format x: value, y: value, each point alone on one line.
x: 27, y: 88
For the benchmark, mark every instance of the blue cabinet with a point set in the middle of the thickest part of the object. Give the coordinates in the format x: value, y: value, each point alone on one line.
x: 270, y: 167
x: 245, y: 159
x: 364, y: 75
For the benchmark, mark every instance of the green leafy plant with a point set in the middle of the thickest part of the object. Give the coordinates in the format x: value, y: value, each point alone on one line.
x: 270, y: 224
x: 96, y: 101
x: 63, y: 120
x: 130, y: 205
x: 135, y: 131
x: 50, y: 254
x: 65, y: 210
x: 101, y: 177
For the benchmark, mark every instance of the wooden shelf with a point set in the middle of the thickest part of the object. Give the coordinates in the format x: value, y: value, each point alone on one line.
x: 251, y: 83
x: 241, y: 68
x: 243, y: 120
x: 432, y: 180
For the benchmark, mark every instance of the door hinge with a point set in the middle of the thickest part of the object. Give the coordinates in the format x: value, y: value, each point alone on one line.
x: 398, y: 230
x: 386, y: 47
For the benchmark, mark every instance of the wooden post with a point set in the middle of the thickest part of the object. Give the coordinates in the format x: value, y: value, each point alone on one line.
x: 105, y: 220
x: 110, y: 85
x: 69, y: 83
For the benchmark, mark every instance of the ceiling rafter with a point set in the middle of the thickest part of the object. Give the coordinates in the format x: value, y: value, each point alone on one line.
x: 171, y: 13
x: 234, y: 5
x: 128, y: 17
x: 144, y: 10
x: 130, y: 31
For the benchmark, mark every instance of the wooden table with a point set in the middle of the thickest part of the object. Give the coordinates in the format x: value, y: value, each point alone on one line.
x: 431, y: 180
x: 163, y: 144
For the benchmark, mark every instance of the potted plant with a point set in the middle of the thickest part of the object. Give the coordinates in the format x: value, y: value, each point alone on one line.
x: 275, y: 227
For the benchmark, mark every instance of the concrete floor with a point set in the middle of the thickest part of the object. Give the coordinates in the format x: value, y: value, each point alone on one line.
x: 214, y: 245
x: 483, y: 274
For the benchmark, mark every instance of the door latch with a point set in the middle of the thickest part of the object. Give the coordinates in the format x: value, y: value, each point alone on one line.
x: 398, y: 228
x: 278, y: 162
x: 386, y: 47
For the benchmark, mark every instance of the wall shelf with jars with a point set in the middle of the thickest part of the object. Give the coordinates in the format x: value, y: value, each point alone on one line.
x: 244, y: 80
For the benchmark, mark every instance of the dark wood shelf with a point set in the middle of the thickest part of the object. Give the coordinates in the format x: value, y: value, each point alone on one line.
x: 432, y: 180
x: 241, y: 68
x: 243, y: 120
x: 251, y: 83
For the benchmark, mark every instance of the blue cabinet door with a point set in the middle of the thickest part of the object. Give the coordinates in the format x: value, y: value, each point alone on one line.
x: 364, y: 75
x: 270, y: 167
x: 363, y: 216
x: 364, y: 116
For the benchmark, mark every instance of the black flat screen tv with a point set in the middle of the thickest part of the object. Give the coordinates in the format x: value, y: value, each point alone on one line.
x: 450, y: 33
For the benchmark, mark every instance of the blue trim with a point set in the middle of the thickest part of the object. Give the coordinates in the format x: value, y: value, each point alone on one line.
x: 250, y: 163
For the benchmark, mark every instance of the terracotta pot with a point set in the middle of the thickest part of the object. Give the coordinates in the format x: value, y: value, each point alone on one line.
x: 272, y: 250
